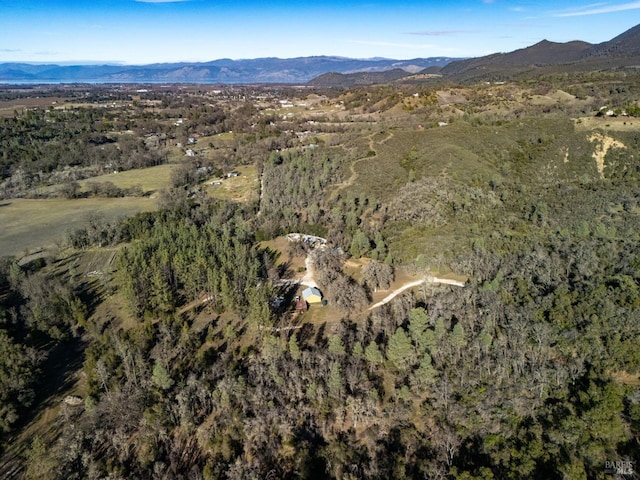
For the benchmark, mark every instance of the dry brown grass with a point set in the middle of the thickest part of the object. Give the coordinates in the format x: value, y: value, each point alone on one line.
x: 622, y: 124
x: 7, y: 107
x: 243, y: 188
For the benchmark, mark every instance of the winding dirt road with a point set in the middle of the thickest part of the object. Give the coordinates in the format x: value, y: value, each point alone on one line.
x: 415, y: 283
x: 308, y: 279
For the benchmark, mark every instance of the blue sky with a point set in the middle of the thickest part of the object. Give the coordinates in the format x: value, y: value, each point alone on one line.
x: 152, y: 31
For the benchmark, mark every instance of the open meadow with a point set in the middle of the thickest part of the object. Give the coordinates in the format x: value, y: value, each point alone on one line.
x: 149, y: 179
x: 28, y: 224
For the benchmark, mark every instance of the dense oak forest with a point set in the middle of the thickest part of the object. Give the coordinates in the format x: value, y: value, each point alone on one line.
x: 186, y: 368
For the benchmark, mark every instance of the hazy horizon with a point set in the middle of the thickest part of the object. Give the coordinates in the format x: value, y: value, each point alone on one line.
x: 71, y: 63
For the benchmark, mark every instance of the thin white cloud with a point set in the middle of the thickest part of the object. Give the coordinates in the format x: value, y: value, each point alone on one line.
x: 599, y: 9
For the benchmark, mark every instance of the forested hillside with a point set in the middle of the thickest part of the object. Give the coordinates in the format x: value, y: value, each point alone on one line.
x: 179, y: 333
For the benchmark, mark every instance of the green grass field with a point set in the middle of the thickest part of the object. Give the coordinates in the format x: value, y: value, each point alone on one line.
x: 150, y: 179
x: 28, y: 224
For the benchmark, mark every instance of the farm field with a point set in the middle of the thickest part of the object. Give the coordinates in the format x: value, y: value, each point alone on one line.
x: 150, y: 179
x: 9, y: 107
x: 28, y: 224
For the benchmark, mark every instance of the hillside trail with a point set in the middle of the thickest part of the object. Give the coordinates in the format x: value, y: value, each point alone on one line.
x: 352, y: 168
x: 415, y: 283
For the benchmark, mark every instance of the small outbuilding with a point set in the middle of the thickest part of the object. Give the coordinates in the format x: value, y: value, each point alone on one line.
x: 312, y: 295
x: 301, y: 305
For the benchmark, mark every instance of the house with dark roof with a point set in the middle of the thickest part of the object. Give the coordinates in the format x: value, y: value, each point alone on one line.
x: 301, y: 305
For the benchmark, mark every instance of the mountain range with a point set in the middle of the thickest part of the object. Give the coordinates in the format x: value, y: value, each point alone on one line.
x: 622, y: 51
x: 260, y: 70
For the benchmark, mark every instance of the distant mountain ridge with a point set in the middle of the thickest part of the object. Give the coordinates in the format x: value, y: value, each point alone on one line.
x: 622, y: 51
x: 259, y: 70
x: 542, y: 53
x: 626, y: 44
x: 619, y: 52
x: 334, y: 79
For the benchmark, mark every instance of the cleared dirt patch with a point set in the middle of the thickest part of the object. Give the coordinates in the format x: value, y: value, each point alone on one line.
x: 281, y: 245
x: 602, y: 145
